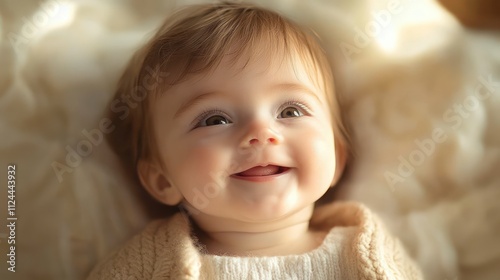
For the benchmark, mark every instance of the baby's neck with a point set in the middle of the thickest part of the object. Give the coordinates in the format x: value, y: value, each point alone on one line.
x: 288, y: 237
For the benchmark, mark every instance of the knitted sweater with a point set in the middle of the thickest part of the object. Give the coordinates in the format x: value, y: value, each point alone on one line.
x: 357, y: 246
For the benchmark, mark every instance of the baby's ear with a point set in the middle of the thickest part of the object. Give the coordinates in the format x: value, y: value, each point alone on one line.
x: 157, y: 184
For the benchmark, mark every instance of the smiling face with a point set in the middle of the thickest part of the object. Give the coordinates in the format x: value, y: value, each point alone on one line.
x: 246, y: 142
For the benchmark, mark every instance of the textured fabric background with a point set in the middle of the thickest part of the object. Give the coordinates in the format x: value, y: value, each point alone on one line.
x: 421, y: 94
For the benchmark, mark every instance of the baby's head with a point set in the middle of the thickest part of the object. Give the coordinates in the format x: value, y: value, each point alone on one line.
x: 231, y: 112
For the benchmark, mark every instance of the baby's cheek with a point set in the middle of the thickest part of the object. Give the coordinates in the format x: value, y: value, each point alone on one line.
x: 203, y: 183
x: 204, y: 163
x: 319, y: 158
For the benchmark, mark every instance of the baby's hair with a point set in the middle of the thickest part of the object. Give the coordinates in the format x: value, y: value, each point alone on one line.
x: 194, y: 40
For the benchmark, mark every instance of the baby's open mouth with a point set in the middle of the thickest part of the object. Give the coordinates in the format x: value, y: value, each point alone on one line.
x: 267, y: 170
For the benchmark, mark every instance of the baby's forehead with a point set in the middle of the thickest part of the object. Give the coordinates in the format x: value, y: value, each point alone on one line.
x: 236, y: 80
x: 249, y: 68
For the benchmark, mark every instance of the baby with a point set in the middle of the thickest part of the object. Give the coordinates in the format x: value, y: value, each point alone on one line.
x: 236, y: 123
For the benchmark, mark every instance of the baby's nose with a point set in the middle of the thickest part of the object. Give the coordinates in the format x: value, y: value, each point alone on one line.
x: 262, y: 133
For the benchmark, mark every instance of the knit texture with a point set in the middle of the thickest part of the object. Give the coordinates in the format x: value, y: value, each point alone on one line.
x: 357, y: 247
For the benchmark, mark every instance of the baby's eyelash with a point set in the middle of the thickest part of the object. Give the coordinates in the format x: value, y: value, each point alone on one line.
x: 205, y: 114
x: 300, y: 104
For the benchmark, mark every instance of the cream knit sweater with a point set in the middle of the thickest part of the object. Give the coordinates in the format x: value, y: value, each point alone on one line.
x: 356, y: 247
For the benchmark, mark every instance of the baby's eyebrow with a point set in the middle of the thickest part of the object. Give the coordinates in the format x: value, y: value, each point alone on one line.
x: 193, y: 101
x: 281, y: 87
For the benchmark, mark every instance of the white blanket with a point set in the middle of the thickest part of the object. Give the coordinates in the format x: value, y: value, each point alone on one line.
x: 421, y: 94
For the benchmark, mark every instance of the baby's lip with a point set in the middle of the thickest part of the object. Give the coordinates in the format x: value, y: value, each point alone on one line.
x: 262, y: 170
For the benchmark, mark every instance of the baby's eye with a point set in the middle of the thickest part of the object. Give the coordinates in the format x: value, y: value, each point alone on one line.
x: 210, y: 118
x: 215, y: 120
x: 290, y: 112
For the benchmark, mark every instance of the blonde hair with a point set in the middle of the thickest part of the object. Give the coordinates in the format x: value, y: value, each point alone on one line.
x: 195, y: 40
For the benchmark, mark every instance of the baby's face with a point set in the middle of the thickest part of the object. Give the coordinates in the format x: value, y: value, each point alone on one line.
x: 251, y: 145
